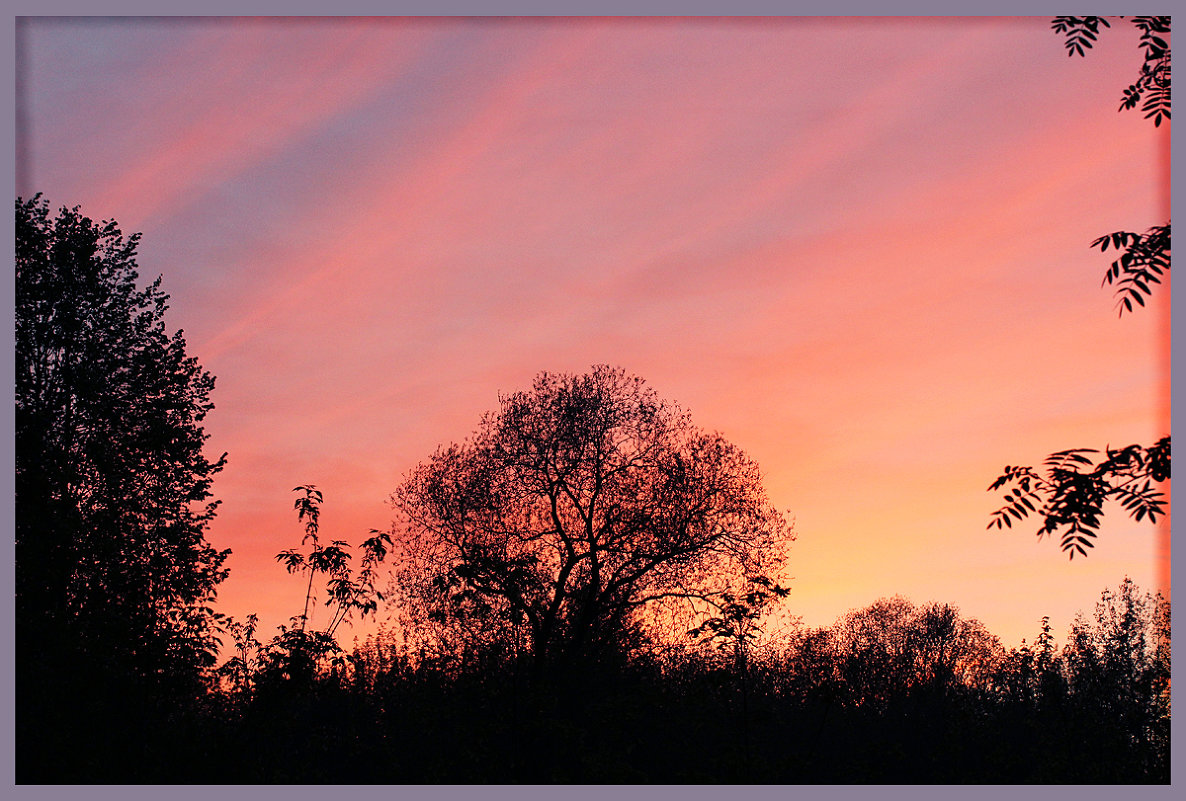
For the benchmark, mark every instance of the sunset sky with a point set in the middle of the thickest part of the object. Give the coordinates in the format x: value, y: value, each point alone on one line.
x: 859, y: 249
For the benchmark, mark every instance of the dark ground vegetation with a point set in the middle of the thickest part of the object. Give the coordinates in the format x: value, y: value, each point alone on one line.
x: 891, y: 693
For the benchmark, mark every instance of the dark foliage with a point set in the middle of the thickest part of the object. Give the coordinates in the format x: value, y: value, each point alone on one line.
x: 289, y: 663
x: 114, y: 576
x: 894, y: 693
x: 1153, y: 83
x: 346, y: 592
x: 1099, y: 709
x: 1144, y: 259
x: 1071, y: 495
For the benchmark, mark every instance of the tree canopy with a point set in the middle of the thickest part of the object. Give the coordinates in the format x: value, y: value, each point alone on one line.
x: 583, y: 511
x: 112, y: 485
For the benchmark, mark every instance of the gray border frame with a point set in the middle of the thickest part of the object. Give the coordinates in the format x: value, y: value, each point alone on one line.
x: 463, y: 8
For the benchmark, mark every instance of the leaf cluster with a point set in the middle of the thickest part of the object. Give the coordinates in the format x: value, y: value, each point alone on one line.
x: 346, y: 592
x: 1153, y: 84
x: 1143, y: 262
x: 1080, y: 32
x: 1070, y: 494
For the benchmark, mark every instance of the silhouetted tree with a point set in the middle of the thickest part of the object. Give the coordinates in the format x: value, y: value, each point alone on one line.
x: 811, y: 668
x: 114, y: 575
x: 892, y: 647
x: 582, y: 511
x: 950, y: 651
x: 1098, y: 709
x: 1070, y: 496
x: 1032, y: 676
x: 298, y: 655
x: 239, y: 671
x: 1118, y: 672
x: 346, y: 593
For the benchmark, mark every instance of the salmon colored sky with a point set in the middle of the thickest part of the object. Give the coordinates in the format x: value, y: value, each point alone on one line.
x: 857, y: 248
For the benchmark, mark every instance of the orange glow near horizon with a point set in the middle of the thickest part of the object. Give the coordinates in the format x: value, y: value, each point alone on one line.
x: 857, y: 248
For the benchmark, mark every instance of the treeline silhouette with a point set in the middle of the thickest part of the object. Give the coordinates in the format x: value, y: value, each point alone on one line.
x: 582, y: 591
x: 891, y: 693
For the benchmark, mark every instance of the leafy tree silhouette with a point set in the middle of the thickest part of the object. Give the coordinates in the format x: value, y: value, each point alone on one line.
x: 1118, y: 676
x: 1098, y: 708
x: 893, y: 647
x: 1071, y: 494
x: 114, y: 575
x: 582, y: 511
x: 297, y: 654
x: 296, y: 651
x: 1032, y: 677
